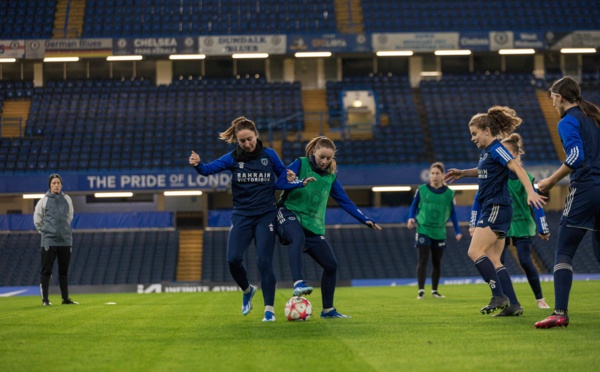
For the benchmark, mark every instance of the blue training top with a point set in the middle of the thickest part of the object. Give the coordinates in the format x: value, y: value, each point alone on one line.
x: 252, y: 181
x: 493, y: 175
x: 580, y: 137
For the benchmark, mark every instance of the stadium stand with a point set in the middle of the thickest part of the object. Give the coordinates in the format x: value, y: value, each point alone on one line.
x: 27, y: 19
x: 100, y: 124
x: 448, y: 15
x: 452, y: 102
x: 108, y: 257
x: 160, y: 18
x: 399, y: 140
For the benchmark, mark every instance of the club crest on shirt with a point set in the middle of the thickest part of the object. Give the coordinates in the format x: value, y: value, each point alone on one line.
x: 264, y: 161
x: 241, y: 165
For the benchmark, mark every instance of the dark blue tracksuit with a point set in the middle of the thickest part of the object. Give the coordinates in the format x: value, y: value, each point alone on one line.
x: 580, y: 137
x: 254, y: 211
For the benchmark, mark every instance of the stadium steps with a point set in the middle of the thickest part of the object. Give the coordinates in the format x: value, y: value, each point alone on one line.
x: 314, y: 104
x: 349, y: 16
x: 552, y: 119
x: 417, y: 97
x: 189, y: 263
x: 75, y: 20
x: 13, y: 111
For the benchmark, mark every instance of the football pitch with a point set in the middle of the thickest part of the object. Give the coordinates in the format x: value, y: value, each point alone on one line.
x: 389, y: 331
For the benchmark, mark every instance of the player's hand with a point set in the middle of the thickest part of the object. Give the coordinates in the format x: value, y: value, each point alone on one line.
x: 544, y: 236
x: 291, y: 176
x: 374, y: 226
x: 471, y: 231
x: 545, y: 185
x: 307, y: 180
x: 536, y: 200
x: 458, y: 237
x: 411, y: 223
x: 194, y: 159
x: 452, y: 175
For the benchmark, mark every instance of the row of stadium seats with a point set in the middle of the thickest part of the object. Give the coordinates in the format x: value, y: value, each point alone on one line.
x: 449, y: 15
x: 176, y: 18
x: 159, y: 18
x: 23, y: 19
x: 71, y: 122
x: 127, y: 257
x: 452, y: 102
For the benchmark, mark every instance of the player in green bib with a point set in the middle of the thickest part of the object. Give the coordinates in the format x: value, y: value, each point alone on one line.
x: 522, y: 229
x: 301, y: 219
x: 431, y: 208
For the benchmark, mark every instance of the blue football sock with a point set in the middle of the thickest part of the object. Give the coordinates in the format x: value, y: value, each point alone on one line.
x: 507, y: 286
x: 563, y: 279
x: 486, y: 268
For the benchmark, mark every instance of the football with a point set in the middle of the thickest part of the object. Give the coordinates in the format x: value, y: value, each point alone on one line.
x: 298, y: 308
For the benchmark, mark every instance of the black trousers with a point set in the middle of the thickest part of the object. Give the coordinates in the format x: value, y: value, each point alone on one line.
x: 49, y: 254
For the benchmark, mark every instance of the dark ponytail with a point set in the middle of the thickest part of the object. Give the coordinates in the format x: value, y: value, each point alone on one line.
x: 570, y: 91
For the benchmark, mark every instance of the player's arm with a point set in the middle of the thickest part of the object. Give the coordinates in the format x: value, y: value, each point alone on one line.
x: 475, y: 211
x: 414, y: 210
x: 454, y: 174
x: 38, y: 213
x: 568, y: 130
x: 533, y: 198
x: 339, y: 195
x: 225, y: 162
x: 454, y: 219
x: 283, y: 183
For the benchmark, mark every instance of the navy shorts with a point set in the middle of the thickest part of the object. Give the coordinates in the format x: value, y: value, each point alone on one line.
x: 582, y: 208
x: 497, y: 217
x: 422, y: 240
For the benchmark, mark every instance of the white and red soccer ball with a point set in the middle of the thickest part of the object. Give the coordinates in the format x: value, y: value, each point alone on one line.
x: 298, y: 308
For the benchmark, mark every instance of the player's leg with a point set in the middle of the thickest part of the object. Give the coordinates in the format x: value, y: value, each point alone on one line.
x: 319, y: 249
x: 48, y: 255
x: 582, y: 208
x: 437, y: 252
x: 64, y: 259
x: 264, y: 236
x: 523, y: 246
x: 291, y: 234
x: 422, y: 244
x: 483, y: 239
x: 514, y: 309
x: 240, y: 236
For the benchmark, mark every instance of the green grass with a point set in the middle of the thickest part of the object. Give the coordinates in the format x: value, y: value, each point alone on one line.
x: 389, y: 330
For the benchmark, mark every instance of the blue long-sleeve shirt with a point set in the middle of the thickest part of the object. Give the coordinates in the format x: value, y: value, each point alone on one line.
x: 253, y: 181
x: 580, y: 137
x: 414, y: 207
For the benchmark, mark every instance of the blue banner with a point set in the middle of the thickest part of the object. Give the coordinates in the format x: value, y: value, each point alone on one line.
x: 89, y: 221
x: 188, y: 179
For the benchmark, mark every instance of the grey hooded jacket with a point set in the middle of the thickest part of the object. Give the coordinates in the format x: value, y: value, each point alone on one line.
x: 52, y: 218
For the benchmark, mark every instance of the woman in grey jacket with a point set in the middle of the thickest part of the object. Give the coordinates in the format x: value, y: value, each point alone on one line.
x: 52, y: 218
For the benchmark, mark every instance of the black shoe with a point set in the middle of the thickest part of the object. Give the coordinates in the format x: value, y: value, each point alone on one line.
x: 512, y: 310
x: 496, y: 303
x: 46, y: 303
x: 68, y: 301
